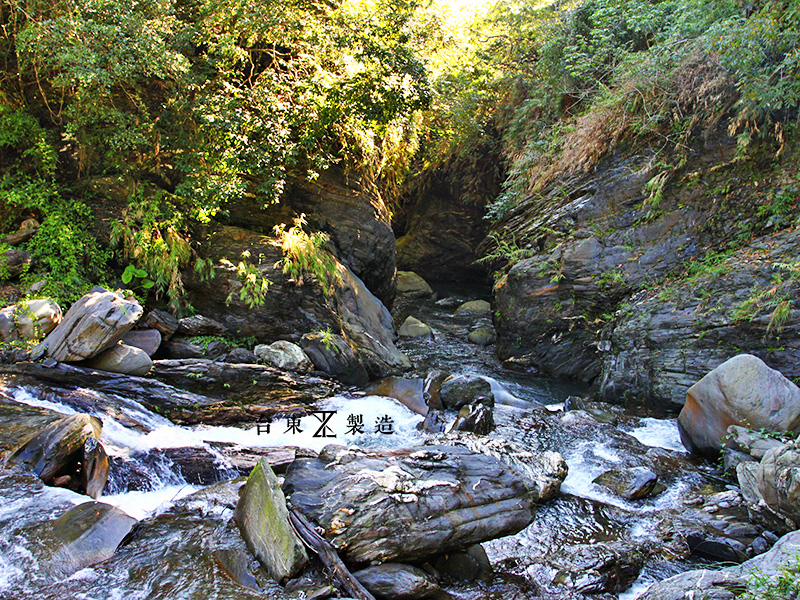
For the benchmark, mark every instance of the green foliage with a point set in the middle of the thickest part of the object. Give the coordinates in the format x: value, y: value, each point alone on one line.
x: 254, y: 286
x: 307, y: 254
x: 149, y: 233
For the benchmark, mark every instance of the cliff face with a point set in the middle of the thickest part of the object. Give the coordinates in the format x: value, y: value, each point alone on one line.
x: 641, y: 296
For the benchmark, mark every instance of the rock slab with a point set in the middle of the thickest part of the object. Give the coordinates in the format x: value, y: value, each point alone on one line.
x: 411, y: 503
x: 94, y: 323
x: 29, y: 320
x: 124, y: 359
x: 263, y: 519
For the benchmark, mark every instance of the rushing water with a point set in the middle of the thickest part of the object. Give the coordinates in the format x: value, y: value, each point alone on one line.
x: 146, y: 482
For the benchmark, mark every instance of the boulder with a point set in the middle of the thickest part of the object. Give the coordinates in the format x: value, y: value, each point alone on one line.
x: 465, y: 389
x: 284, y: 355
x: 124, y: 359
x: 433, y: 422
x: 94, y: 323
x: 475, y: 417
x: 181, y: 347
x: 475, y: 307
x: 197, y: 325
x: 145, y: 339
x: 14, y: 262
x: 408, y: 392
x: 263, y: 519
x: 84, y: 535
x: 396, y: 581
x: 411, y: 284
x: 29, y: 319
x: 332, y: 354
x: 482, y: 336
x: 414, y: 328
x: 634, y: 483
x: 597, y: 568
x: 241, y: 356
x: 411, y: 503
x: 741, y: 391
x: 433, y: 388
x: 56, y: 449
x: 716, y: 547
x: 162, y: 321
x: 754, y: 443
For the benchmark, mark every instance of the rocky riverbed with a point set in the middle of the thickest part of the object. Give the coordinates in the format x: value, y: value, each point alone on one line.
x: 462, y: 478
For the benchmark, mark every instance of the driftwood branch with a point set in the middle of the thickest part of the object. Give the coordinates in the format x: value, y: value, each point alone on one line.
x: 328, y: 555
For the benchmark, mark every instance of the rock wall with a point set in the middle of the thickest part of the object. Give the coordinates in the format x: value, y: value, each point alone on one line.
x: 643, y: 294
x: 339, y: 205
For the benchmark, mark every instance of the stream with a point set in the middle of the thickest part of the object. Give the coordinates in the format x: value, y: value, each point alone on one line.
x: 586, y: 541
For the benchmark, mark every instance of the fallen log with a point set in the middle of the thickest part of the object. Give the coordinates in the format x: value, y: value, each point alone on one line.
x: 328, y: 555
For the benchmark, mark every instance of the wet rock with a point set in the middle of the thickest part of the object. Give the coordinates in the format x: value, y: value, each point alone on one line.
x: 56, y: 449
x: 475, y: 307
x: 284, y: 355
x: 411, y: 284
x: 470, y: 564
x: 14, y: 262
x: 408, y: 504
x: 413, y: 328
x: 19, y: 422
x: 264, y: 522
x: 396, y: 581
x: 198, y: 325
x: 715, y: 547
x: 575, y: 403
x: 29, y: 319
x: 548, y: 471
x: 409, y: 392
x: 433, y: 388
x: 332, y: 354
x: 148, y: 340
x: 163, y: 322
x: 84, y: 535
x: 741, y: 391
x: 94, y: 467
x: 123, y: 359
x: 597, y: 568
x: 632, y: 484
x: 477, y: 418
x: 434, y: 422
x: 465, y: 389
x: 482, y: 336
x: 313, y: 584
x: 225, y: 393
x: 94, y: 323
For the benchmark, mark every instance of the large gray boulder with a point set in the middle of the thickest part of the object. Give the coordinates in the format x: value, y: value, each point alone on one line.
x: 148, y: 340
x: 741, y: 391
x: 332, y: 354
x: 462, y: 390
x: 284, y: 355
x: 124, y: 359
x: 94, y: 323
x: 264, y: 522
x: 29, y: 319
x: 409, y: 504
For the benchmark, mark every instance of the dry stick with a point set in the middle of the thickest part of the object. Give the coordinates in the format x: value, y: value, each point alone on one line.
x: 328, y: 555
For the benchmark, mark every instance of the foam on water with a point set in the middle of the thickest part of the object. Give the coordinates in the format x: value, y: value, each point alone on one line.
x: 660, y: 433
x: 23, y: 396
x: 141, y: 504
